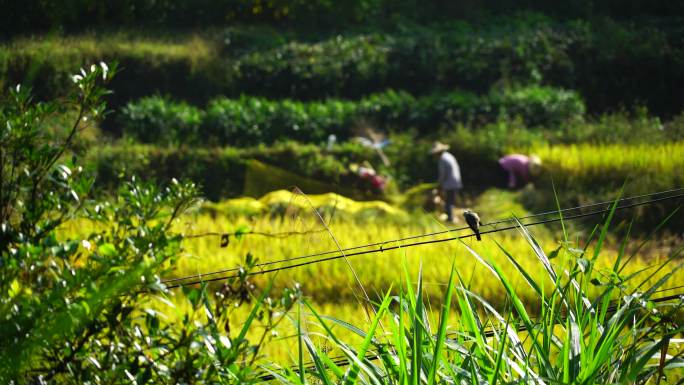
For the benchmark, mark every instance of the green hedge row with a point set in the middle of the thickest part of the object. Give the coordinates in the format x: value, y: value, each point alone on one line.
x: 610, y: 64
x: 253, y: 120
x: 417, y: 60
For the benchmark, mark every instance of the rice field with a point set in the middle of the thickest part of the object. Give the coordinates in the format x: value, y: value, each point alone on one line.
x: 645, y: 167
x: 281, y: 227
x: 335, y: 292
x: 333, y: 281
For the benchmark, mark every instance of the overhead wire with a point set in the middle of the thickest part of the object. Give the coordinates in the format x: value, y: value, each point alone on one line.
x: 199, y: 277
x: 283, y: 234
x: 425, y: 235
x: 458, y: 229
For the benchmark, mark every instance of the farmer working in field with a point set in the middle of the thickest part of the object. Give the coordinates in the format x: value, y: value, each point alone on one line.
x: 449, y: 180
x: 516, y: 170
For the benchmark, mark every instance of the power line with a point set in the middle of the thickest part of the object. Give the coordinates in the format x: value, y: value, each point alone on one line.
x: 494, y: 223
x: 382, y: 249
x: 342, y: 255
x: 284, y: 234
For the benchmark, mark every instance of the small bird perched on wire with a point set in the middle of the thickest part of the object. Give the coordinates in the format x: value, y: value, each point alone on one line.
x: 473, y: 220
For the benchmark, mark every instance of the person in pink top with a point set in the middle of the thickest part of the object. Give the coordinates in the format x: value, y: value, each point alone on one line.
x: 518, y: 170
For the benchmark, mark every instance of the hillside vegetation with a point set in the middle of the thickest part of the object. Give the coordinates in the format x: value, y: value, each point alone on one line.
x: 222, y: 192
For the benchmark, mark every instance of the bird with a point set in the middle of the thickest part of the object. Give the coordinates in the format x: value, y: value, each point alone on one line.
x: 473, y: 220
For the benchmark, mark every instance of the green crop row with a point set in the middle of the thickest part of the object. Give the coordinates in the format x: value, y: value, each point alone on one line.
x: 254, y: 120
x: 608, y: 62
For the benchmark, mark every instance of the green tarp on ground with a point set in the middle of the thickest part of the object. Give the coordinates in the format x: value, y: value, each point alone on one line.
x: 262, y: 178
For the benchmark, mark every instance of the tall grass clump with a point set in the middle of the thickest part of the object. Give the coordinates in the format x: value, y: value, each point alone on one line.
x: 595, y: 326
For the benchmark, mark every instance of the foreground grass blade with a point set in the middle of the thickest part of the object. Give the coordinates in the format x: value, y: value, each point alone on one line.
x: 417, y: 340
x: 354, y: 370
x: 321, y: 372
x: 441, y: 336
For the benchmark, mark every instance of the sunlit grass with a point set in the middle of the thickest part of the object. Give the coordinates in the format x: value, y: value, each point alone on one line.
x: 650, y: 167
x: 331, y: 285
x: 334, y: 292
x: 333, y: 281
x: 194, y: 48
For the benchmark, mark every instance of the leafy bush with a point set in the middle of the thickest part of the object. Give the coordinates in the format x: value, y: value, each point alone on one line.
x: 157, y: 119
x: 253, y: 120
x: 338, y: 66
x: 416, y: 59
x: 539, y: 106
x: 77, y: 310
x: 617, y: 65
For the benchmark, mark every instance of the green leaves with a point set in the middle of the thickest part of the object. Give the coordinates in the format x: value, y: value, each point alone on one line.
x: 107, y: 250
x: 256, y: 120
x: 72, y: 309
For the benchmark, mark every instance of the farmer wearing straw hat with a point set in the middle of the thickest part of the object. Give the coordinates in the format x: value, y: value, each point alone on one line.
x: 518, y: 170
x: 449, y: 180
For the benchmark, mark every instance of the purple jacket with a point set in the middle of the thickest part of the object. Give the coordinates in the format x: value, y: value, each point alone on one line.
x: 518, y: 167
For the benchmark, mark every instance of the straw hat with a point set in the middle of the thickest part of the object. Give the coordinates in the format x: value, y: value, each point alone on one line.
x: 438, y: 147
x: 535, y: 165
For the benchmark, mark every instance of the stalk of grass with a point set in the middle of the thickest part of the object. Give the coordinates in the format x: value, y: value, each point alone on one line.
x: 441, y: 336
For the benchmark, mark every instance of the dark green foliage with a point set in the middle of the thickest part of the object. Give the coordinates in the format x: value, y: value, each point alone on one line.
x: 417, y: 59
x: 619, y: 65
x: 339, y: 66
x: 162, y: 121
x: 538, y: 106
x: 252, y: 120
x: 611, y: 64
x: 24, y: 17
